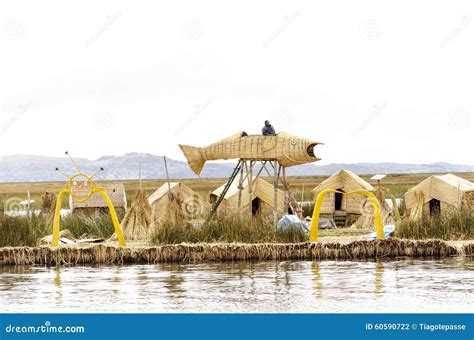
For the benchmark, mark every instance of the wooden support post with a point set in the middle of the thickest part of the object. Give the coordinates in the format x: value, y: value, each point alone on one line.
x: 168, y: 179
x: 260, y: 171
x: 275, y: 193
x: 29, y: 205
x: 241, y: 187
x: 286, y: 192
x: 140, y: 174
x: 250, y: 183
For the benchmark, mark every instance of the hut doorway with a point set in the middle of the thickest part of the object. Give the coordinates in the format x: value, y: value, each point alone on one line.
x: 256, y: 204
x: 338, y: 200
x: 435, y: 207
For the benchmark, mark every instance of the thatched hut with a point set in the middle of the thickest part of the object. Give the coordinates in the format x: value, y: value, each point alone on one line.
x: 262, y: 198
x: 96, y: 202
x: 177, y: 201
x: 345, y: 181
x: 439, y: 193
x: 339, y: 205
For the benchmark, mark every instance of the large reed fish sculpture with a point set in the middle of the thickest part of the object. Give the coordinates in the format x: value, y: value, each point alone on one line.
x: 287, y: 149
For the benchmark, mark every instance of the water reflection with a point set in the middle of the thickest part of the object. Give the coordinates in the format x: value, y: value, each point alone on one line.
x: 57, y: 284
x: 174, y: 280
x: 378, y: 278
x: 117, y: 280
x: 18, y: 275
x: 327, y: 286
x: 318, y: 285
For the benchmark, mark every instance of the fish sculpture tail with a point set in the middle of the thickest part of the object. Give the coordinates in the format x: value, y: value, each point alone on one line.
x: 194, y: 156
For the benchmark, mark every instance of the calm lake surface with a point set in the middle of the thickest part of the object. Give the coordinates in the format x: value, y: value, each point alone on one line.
x: 412, y: 285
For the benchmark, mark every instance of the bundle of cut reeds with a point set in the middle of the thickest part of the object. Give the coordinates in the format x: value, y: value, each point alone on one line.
x: 200, y: 252
x: 137, y: 222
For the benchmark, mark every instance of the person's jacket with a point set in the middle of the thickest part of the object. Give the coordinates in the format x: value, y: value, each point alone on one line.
x: 268, y: 131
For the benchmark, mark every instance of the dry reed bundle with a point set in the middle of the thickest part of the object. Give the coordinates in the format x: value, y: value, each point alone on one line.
x: 469, y: 199
x: 468, y: 249
x: 366, y: 220
x: 48, y: 204
x: 416, y: 212
x: 103, y: 254
x: 137, y: 222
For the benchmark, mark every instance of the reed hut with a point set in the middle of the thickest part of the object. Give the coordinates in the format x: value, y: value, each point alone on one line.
x: 261, y: 198
x: 338, y: 205
x: 439, y: 193
x: 176, y: 201
x: 96, y: 203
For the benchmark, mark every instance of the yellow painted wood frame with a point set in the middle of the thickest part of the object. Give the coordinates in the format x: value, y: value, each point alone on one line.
x: 313, y: 233
x: 113, y: 214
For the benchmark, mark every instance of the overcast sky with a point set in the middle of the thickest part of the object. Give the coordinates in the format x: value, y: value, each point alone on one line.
x: 374, y: 80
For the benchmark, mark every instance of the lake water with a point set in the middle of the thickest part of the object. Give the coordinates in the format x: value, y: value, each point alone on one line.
x: 409, y: 285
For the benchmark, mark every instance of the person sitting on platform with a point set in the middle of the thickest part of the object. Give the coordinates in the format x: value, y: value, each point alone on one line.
x: 268, y: 129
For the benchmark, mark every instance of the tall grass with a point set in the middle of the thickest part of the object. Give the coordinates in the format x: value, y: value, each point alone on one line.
x: 21, y: 231
x: 452, y: 225
x: 27, y: 231
x: 227, y: 228
x: 90, y: 226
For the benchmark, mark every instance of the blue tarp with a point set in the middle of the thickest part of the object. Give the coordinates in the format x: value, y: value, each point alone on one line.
x: 291, y: 221
x: 388, y: 231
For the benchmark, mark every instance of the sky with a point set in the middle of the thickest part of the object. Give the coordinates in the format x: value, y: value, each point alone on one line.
x: 376, y: 81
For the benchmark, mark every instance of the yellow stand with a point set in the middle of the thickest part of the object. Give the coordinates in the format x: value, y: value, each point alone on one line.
x: 88, y: 183
x: 313, y: 233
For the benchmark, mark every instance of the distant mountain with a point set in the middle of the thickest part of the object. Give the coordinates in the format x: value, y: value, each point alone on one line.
x: 33, y: 168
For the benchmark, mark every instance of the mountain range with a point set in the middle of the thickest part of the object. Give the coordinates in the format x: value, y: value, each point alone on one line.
x: 34, y: 168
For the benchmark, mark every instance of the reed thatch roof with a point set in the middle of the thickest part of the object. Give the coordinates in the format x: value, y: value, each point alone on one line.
x: 261, y: 189
x: 180, y: 201
x: 345, y: 181
x: 449, y: 189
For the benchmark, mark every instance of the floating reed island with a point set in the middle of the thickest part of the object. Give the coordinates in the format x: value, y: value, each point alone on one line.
x: 208, y: 252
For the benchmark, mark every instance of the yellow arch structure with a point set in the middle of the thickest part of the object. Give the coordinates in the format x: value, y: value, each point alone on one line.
x: 93, y: 190
x: 313, y: 233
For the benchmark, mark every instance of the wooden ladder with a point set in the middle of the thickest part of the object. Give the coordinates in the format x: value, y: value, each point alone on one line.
x: 340, y: 218
x: 224, y: 192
